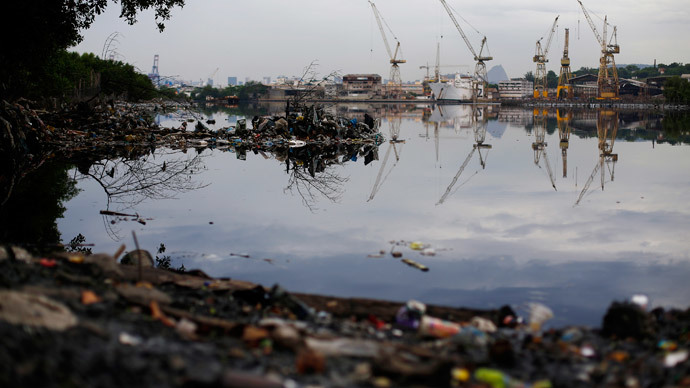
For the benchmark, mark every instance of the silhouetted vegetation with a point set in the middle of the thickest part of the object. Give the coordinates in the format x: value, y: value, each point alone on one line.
x: 677, y: 90
x: 51, y: 27
x: 250, y: 90
x: 641, y: 72
x: 71, y: 74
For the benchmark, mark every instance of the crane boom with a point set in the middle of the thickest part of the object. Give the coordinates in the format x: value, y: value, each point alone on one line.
x: 587, y: 184
x: 548, y: 41
x: 377, y: 183
x: 591, y: 24
x: 462, y: 33
x: 457, y: 175
x: 480, y: 67
x: 383, y: 32
x: 549, y: 171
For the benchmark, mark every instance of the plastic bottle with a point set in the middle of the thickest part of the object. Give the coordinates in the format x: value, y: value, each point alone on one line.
x: 439, y: 328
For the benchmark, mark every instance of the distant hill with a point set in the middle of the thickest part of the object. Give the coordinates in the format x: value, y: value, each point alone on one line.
x: 497, y: 74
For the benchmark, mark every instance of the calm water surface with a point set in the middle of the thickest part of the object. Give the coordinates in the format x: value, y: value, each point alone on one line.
x: 504, y: 230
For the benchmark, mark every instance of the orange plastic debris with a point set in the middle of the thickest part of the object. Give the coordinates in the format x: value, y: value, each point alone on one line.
x: 89, y: 297
x: 48, y: 263
x: 157, y: 314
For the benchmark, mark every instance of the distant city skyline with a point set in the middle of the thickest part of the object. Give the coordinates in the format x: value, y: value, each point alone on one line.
x: 253, y: 40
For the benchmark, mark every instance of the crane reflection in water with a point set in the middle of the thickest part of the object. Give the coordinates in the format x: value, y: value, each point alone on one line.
x: 479, y: 123
x: 539, y: 144
x: 607, y: 127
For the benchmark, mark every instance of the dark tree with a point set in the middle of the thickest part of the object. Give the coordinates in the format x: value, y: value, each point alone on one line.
x: 34, y: 31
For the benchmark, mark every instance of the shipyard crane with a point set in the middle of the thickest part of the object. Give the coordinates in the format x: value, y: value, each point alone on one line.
x: 394, y: 60
x: 437, y: 72
x: 565, y: 75
x: 607, y: 81
x: 540, y: 58
x: 437, y: 67
x: 480, y: 68
x: 479, y: 145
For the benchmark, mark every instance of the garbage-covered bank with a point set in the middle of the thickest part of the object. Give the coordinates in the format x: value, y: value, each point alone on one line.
x: 74, y: 320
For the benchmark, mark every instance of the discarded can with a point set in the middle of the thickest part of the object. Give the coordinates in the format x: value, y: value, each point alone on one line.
x: 439, y: 328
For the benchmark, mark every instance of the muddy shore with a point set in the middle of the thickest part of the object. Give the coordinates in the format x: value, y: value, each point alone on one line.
x: 73, y: 320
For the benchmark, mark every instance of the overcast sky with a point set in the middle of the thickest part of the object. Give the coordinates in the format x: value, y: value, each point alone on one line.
x: 276, y: 37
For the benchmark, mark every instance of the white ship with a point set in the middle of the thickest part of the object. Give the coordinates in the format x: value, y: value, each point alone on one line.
x: 460, y: 89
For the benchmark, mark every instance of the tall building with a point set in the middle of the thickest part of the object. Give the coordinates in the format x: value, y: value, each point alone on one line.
x: 267, y: 80
x: 232, y: 81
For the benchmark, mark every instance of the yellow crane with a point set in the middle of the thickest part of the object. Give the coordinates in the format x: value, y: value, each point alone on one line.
x: 565, y: 75
x: 480, y: 74
x: 394, y: 79
x: 540, y: 57
x: 607, y: 81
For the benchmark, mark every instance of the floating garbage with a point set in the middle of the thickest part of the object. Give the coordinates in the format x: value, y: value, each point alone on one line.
x: 417, y: 245
x: 415, y: 264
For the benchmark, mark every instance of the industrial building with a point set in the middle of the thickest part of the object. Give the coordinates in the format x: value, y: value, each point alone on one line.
x: 361, y: 84
x: 516, y: 88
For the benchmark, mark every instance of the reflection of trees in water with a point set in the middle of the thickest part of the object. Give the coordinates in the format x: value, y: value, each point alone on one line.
x: 29, y: 215
x: 128, y: 181
x: 327, y: 184
x: 312, y: 169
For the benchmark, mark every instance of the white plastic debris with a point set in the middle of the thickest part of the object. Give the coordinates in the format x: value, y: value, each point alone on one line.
x: 186, y: 328
x: 641, y: 300
x: 129, y: 339
x: 538, y: 314
x: 675, y: 358
x: 483, y: 324
x: 587, y: 351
